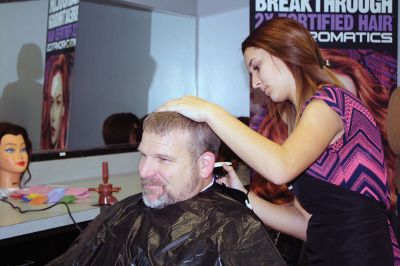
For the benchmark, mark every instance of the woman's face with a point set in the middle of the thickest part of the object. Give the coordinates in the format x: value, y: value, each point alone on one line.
x: 13, y: 154
x: 270, y: 74
x: 56, y: 107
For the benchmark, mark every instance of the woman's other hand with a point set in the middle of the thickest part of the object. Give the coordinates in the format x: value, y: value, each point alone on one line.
x: 231, y: 179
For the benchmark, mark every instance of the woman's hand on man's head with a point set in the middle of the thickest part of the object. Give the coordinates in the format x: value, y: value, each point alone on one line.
x: 192, y: 107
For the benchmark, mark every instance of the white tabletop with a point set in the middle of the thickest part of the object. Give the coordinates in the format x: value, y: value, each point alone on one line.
x: 14, y: 223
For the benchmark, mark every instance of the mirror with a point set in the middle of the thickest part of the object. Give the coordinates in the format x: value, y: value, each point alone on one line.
x: 127, y: 59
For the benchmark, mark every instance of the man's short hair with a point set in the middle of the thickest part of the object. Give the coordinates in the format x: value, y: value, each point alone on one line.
x: 201, y: 136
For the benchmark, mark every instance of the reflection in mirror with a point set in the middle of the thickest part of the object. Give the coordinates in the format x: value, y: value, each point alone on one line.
x: 127, y: 59
x: 21, y: 100
x: 22, y: 38
x: 113, y: 69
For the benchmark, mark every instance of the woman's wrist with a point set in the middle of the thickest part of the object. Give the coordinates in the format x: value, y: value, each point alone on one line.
x: 212, y: 111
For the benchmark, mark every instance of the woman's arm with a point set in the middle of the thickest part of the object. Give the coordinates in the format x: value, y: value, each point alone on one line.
x: 290, y: 219
x: 318, y: 127
x: 393, y: 122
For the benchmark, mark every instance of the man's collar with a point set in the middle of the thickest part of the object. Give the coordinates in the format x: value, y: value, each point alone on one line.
x: 209, y: 185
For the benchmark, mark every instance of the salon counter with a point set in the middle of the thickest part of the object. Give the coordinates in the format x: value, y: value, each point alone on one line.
x: 14, y: 223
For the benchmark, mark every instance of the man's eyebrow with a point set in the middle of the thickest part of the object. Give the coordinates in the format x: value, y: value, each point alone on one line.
x: 163, y: 155
x: 158, y: 155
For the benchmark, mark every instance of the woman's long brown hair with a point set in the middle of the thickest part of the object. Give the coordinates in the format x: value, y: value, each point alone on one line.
x: 291, y: 42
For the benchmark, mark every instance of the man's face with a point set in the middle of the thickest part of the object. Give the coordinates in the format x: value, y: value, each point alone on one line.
x: 166, y: 170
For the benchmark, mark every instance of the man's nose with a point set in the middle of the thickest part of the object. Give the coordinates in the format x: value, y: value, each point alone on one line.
x: 147, y: 168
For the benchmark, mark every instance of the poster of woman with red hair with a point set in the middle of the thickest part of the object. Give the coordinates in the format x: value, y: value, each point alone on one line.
x: 60, y: 48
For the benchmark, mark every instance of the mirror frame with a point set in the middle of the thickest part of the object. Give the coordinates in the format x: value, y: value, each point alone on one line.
x: 176, y: 7
x: 67, y: 153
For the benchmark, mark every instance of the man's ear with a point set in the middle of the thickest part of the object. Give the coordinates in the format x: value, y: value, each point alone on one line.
x: 206, y: 164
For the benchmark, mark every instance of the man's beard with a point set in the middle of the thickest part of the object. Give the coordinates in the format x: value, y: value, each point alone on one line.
x: 166, y: 198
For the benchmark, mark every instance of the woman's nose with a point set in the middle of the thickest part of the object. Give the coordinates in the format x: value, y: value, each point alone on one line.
x: 255, y: 82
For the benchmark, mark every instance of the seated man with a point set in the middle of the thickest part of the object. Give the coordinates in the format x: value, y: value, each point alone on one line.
x: 182, y: 217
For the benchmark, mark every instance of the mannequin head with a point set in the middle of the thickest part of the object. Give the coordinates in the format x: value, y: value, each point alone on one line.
x: 15, y: 154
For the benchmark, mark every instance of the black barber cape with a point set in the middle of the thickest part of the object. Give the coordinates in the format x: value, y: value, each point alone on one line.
x: 212, y: 228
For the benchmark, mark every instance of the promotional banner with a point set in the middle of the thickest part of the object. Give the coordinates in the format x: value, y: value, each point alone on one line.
x: 358, y: 40
x: 60, y: 50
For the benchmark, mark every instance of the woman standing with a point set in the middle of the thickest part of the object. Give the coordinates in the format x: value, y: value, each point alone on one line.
x: 333, y: 158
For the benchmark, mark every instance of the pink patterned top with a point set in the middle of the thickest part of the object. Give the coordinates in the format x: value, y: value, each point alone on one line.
x: 355, y: 161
